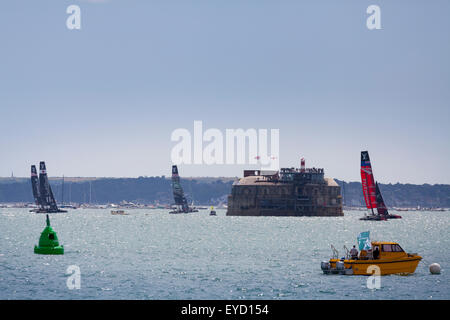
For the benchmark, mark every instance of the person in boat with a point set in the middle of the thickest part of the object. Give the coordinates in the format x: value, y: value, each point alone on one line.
x: 376, y: 253
x: 354, y: 253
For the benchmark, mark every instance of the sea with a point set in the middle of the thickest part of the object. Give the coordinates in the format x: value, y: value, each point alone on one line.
x: 151, y: 254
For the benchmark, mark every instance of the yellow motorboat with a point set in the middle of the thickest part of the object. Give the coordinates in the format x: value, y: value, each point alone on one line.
x: 389, y: 257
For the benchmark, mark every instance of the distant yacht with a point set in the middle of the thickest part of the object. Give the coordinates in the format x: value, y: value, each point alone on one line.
x: 372, y: 193
x: 178, y: 194
x: 42, y: 192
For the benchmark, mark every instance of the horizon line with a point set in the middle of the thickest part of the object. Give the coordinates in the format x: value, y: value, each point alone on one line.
x: 199, y: 177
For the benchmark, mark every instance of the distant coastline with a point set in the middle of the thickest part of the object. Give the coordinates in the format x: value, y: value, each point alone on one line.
x: 204, y: 191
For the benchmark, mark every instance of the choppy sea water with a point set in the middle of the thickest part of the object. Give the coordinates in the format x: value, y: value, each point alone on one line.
x: 151, y: 254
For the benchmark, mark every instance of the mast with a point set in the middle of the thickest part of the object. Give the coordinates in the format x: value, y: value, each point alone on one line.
x: 62, y: 192
x: 343, y: 193
x: 191, y: 193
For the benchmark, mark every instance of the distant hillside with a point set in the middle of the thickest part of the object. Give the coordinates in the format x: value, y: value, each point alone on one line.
x: 400, y: 195
x: 206, y: 191
x: 145, y: 190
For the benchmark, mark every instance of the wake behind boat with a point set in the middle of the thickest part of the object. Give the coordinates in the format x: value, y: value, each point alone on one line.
x: 372, y: 193
x: 42, y: 192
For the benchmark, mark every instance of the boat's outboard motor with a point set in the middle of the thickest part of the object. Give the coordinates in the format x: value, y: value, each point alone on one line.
x: 325, y: 265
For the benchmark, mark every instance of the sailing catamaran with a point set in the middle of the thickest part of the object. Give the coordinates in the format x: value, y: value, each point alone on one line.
x: 42, y: 192
x: 372, y: 193
x: 178, y: 194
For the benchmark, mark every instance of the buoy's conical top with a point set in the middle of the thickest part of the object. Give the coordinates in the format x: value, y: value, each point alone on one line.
x: 48, y: 221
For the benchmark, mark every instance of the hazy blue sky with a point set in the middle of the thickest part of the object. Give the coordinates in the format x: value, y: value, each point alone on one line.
x: 104, y: 100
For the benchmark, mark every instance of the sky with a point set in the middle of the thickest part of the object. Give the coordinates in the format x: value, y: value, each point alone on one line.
x: 104, y: 100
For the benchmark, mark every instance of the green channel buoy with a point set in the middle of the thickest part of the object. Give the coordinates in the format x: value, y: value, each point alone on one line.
x: 48, y: 242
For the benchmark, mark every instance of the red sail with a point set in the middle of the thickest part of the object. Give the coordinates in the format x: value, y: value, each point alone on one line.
x: 367, y: 181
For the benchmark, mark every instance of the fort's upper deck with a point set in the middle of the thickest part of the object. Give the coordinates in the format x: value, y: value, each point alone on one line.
x: 286, y: 175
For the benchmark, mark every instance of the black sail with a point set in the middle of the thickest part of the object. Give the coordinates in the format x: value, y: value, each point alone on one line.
x: 381, y: 207
x: 178, y: 194
x: 48, y: 200
x: 35, y: 186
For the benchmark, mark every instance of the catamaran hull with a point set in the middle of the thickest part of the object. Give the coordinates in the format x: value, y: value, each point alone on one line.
x: 47, y: 211
x: 373, y: 218
x: 180, y: 212
x: 380, y: 218
x: 393, y: 216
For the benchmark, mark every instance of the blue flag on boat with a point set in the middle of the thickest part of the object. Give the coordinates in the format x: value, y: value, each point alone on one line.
x: 364, y: 241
